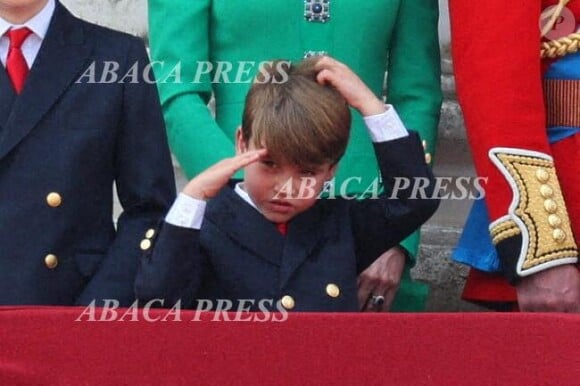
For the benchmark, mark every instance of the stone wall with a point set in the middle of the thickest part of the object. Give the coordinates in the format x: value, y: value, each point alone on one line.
x: 124, y: 15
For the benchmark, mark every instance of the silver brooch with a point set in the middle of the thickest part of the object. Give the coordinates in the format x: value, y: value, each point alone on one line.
x: 309, y: 54
x: 317, y: 10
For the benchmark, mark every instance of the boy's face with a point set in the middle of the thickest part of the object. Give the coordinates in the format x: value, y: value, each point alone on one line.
x: 282, y: 191
x: 20, y: 11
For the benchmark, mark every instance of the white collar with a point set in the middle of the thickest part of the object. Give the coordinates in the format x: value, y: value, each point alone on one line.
x: 244, y: 195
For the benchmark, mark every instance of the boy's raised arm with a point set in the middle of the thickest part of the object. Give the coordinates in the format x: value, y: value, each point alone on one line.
x: 173, y: 269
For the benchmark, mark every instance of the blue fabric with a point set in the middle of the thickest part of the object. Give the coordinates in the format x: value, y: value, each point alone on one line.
x: 556, y: 134
x: 566, y: 68
x: 475, y: 247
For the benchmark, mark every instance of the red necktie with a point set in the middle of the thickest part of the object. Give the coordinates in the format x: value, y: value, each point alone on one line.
x: 15, y: 63
x: 282, y: 228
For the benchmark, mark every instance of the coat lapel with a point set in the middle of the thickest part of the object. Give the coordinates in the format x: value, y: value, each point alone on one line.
x: 245, y: 226
x: 250, y: 230
x: 60, y: 62
x: 7, y: 97
x: 305, y: 233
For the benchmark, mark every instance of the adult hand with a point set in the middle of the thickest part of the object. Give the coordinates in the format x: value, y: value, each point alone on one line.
x: 382, y: 278
x: 555, y: 289
x: 208, y: 183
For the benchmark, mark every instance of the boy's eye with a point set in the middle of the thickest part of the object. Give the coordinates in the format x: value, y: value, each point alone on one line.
x: 308, y: 172
x: 268, y: 163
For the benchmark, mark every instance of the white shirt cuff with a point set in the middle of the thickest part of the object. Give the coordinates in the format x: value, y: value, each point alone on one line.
x: 186, y: 212
x: 386, y: 126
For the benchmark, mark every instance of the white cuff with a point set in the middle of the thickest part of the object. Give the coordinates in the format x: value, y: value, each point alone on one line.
x: 386, y: 126
x: 186, y: 212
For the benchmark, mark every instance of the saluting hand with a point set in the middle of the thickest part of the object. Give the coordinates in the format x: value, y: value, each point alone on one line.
x: 208, y: 183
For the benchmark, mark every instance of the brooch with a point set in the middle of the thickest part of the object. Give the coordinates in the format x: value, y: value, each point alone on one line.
x: 317, y: 10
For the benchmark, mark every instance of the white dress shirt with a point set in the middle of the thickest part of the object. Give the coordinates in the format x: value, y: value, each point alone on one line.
x: 37, y: 24
x: 188, y: 212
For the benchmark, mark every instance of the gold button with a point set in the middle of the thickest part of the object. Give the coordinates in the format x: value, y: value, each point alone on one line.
x: 542, y: 175
x: 145, y: 244
x: 150, y: 233
x: 550, y: 206
x: 53, y: 199
x: 546, y: 191
x: 424, y: 144
x: 554, y: 220
x: 428, y: 158
x: 559, y: 235
x: 332, y: 290
x: 288, y: 302
x: 51, y: 261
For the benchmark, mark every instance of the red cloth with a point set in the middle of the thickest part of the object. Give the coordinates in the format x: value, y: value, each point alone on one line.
x: 487, y: 287
x: 497, y: 78
x: 47, y: 346
x: 16, y: 65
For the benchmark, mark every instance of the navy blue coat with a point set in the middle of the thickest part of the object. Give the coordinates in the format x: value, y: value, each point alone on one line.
x: 63, y: 145
x: 238, y: 254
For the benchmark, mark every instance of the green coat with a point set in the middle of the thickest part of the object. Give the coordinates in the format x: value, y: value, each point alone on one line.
x: 371, y: 37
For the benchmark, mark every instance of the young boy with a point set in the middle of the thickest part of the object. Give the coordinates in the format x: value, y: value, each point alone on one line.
x: 269, y: 237
x: 65, y: 140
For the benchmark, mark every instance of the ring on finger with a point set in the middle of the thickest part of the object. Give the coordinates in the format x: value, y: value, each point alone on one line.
x: 377, y: 301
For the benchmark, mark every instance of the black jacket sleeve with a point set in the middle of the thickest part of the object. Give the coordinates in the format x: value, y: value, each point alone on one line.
x: 381, y: 222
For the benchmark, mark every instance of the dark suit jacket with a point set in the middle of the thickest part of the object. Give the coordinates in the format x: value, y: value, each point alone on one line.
x: 76, y: 140
x: 238, y: 254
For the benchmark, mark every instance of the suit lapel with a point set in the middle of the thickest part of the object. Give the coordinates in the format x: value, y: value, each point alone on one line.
x: 246, y: 226
x: 60, y: 61
x: 304, y: 234
x: 7, y: 97
x: 250, y: 230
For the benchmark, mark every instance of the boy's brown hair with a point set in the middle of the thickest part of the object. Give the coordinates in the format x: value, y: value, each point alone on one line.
x: 298, y: 120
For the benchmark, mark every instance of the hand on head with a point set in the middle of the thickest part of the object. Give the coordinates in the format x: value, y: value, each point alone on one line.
x: 349, y: 85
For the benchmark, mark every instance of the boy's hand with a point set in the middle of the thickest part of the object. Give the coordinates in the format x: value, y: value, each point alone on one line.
x: 208, y: 183
x: 349, y: 85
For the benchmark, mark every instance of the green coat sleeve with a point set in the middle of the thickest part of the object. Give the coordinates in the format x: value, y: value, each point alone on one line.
x: 414, y: 76
x: 179, y: 37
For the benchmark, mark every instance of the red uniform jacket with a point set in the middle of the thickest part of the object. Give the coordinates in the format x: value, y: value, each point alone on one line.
x: 508, y: 102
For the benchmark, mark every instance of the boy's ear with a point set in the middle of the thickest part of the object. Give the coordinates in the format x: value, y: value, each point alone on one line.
x: 332, y: 171
x: 241, y: 146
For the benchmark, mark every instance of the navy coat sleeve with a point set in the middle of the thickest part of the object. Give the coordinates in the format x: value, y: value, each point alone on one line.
x: 173, y: 270
x: 143, y: 177
x: 407, y: 202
